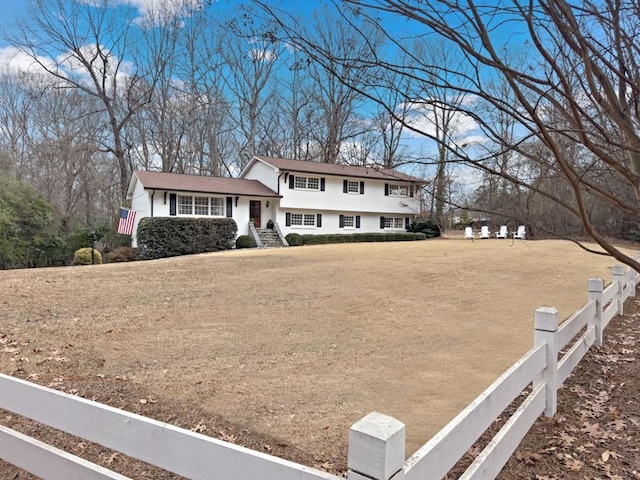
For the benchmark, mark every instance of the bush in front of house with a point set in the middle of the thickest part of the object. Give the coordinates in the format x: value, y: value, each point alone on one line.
x: 294, y: 239
x: 82, y: 256
x: 122, y: 254
x: 245, y: 241
x: 424, y: 225
x: 361, y: 237
x: 161, y: 237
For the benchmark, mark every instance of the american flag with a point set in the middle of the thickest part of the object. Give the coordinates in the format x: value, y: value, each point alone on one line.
x: 127, y: 217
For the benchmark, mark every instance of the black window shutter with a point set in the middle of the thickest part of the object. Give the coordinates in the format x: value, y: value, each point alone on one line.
x: 406, y: 222
x: 386, y: 189
x: 322, y: 184
x: 291, y: 180
x: 319, y: 220
x: 172, y: 203
x: 357, y: 221
x: 341, y: 221
x: 411, y: 190
x: 344, y: 186
x: 229, y: 207
x: 287, y: 221
x: 381, y: 222
x: 361, y: 188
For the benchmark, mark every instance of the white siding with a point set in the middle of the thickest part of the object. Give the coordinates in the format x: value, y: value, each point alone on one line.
x: 369, y: 223
x: 141, y: 203
x: 333, y: 198
x: 161, y: 201
x: 265, y: 174
x: 330, y: 202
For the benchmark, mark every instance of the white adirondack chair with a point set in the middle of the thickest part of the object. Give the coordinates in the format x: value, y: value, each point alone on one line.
x: 484, y: 232
x: 502, y: 233
x: 468, y: 233
x: 520, y: 233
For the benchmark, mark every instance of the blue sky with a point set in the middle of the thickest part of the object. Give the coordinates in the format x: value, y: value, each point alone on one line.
x: 11, y: 9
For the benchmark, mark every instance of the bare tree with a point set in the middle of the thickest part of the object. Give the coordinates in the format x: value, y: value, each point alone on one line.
x: 91, y: 46
x: 582, y: 64
x: 14, y: 122
x: 251, y: 53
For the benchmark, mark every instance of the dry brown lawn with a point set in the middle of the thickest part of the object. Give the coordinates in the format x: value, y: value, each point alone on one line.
x: 299, y: 343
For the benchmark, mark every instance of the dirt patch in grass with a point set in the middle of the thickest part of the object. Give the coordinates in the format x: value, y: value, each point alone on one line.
x: 284, y: 349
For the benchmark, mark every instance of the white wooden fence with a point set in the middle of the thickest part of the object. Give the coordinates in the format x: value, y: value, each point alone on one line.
x: 376, y: 443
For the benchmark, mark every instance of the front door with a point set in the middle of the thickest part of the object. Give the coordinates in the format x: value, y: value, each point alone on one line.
x: 254, y: 212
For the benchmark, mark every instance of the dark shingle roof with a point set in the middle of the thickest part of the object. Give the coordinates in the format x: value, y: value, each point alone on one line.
x: 288, y: 165
x: 197, y: 183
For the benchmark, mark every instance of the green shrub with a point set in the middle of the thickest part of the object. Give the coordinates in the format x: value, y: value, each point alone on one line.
x: 83, y: 257
x: 361, y: 237
x: 294, y: 239
x: 122, y: 254
x: 245, y: 241
x: 633, y: 235
x: 160, y: 237
x: 424, y: 225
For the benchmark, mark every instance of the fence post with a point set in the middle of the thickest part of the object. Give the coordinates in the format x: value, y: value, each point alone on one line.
x: 617, y: 276
x: 546, y: 331
x: 376, y: 448
x: 596, y: 287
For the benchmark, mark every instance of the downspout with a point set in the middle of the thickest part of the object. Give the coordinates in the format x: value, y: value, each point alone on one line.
x: 153, y: 192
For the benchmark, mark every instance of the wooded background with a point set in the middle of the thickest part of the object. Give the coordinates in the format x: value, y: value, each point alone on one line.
x: 518, y: 113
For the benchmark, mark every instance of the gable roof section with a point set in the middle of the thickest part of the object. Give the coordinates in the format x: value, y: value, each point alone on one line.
x: 378, y: 173
x: 196, y: 183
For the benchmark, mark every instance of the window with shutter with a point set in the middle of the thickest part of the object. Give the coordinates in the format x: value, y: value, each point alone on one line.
x: 354, y: 186
x: 172, y: 204
x: 229, y: 207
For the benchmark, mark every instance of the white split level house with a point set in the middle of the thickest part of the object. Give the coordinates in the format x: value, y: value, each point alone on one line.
x: 298, y: 196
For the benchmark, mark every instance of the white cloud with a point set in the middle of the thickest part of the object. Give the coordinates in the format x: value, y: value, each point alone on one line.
x: 15, y: 61
x: 263, y: 55
x: 425, y: 118
x: 157, y: 11
x: 105, y: 63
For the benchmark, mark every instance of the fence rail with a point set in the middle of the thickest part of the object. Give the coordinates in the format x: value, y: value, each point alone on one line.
x: 557, y: 351
x: 174, y: 449
x: 376, y: 442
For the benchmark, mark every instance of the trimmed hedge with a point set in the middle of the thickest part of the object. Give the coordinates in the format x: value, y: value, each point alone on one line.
x: 294, y: 239
x: 245, y: 241
x: 161, y: 237
x: 83, y: 257
x: 361, y: 237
